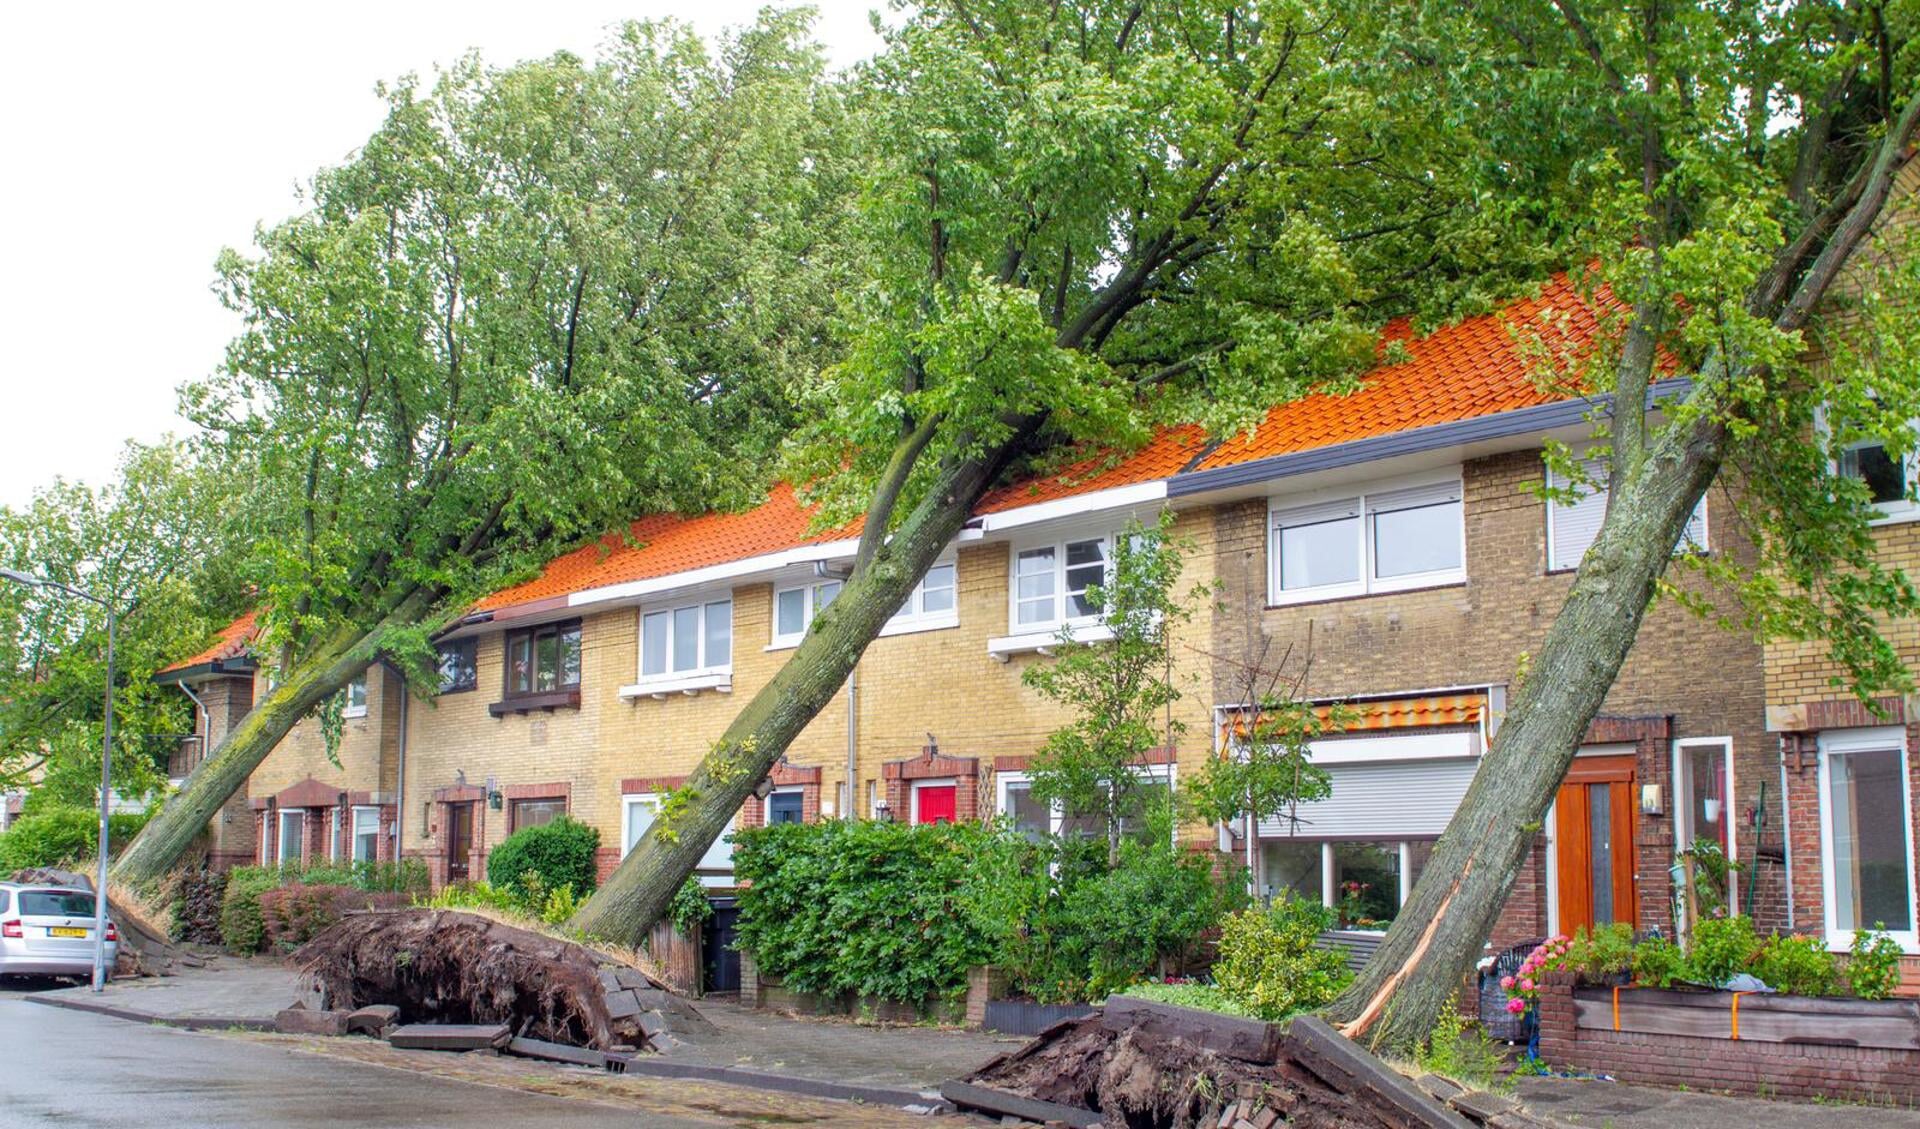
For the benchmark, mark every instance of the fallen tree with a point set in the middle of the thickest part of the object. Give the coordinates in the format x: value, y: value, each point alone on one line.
x: 530, y: 308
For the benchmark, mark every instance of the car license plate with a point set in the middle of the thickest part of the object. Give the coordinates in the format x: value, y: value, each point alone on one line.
x: 66, y: 931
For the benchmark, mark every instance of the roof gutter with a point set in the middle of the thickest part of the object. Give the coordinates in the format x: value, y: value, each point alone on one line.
x: 1500, y: 425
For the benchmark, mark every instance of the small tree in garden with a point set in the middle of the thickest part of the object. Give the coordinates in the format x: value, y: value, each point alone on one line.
x: 1120, y: 690
x: 1266, y: 768
x: 560, y: 853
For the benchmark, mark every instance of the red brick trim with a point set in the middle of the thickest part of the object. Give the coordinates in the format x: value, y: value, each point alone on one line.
x: 260, y: 803
x: 635, y: 785
x: 930, y: 766
x: 786, y: 775
x: 1013, y: 764
x: 309, y: 793
x: 459, y: 793
x: 559, y: 790
x: 361, y: 799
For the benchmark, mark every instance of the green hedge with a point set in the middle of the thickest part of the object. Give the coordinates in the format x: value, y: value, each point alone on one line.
x: 561, y: 853
x: 63, y: 836
x: 243, y: 927
x: 878, y: 909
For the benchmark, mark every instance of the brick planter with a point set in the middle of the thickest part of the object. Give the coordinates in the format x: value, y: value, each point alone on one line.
x: 1769, y: 1046
x: 757, y: 989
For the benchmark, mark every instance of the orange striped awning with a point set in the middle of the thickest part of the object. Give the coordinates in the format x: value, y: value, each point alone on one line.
x: 1388, y: 713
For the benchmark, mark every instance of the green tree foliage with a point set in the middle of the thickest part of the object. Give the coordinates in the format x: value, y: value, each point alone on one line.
x: 158, y: 542
x: 538, y: 302
x: 63, y: 836
x: 556, y: 854
x: 1120, y: 691
x: 1267, y: 770
x: 1271, y: 960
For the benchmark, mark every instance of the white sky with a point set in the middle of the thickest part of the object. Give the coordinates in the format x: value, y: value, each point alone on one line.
x: 141, y: 138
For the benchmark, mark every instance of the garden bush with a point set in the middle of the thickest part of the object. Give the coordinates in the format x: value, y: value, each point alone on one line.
x: 1722, y: 948
x: 62, y: 836
x: 195, y: 905
x: 1206, y: 997
x: 1658, y: 962
x: 243, y: 929
x: 879, y: 909
x: 1873, y: 968
x: 1799, y: 966
x: 1269, y: 960
x: 561, y: 853
x: 293, y: 915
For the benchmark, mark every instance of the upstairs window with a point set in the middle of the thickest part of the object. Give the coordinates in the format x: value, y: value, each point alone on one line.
x: 1889, y: 478
x: 459, y: 665
x: 1050, y: 583
x: 1378, y: 541
x: 544, y: 659
x: 794, y: 609
x: 1572, y: 526
x: 691, y: 639
x: 932, y: 603
x: 356, y: 697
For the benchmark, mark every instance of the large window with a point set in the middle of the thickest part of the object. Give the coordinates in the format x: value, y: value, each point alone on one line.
x: 1889, y: 477
x: 637, y: 811
x: 366, y: 834
x: 1573, y: 525
x: 688, y: 640
x: 459, y: 664
x: 931, y: 604
x: 786, y: 805
x: 535, y: 813
x: 1868, y: 855
x: 794, y: 609
x: 293, y: 829
x: 356, y: 697
x: 1051, y: 582
x: 1034, y: 819
x: 1364, y: 882
x: 1703, y: 790
x: 1378, y: 541
x: 543, y: 660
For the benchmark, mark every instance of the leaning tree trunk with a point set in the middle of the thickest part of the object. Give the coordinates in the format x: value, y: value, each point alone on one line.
x: 224, y: 771
x: 694, y: 815
x: 1438, y: 936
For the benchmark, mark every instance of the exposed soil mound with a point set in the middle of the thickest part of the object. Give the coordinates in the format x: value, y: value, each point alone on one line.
x: 443, y: 966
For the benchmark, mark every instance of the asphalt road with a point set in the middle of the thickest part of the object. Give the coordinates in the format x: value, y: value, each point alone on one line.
x: 70, y: 1068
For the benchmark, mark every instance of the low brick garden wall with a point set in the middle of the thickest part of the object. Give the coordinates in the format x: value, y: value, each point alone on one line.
x: 1768, y: 1046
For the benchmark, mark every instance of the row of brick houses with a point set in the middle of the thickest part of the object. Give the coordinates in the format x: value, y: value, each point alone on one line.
x: 1400, y: 528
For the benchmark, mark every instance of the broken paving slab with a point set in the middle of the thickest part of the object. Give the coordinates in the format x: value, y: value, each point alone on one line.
x: 374, y: 1019
x: 450, y: 1036
x: 298, y: 1020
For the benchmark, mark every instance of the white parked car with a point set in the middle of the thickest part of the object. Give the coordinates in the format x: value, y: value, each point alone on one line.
x: 48, y: 931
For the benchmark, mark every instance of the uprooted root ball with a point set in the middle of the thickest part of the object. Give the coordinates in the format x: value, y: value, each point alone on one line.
x: 443, y: 966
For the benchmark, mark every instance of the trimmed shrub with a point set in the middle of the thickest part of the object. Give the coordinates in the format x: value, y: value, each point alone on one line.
x: 243, y: 929
x: 1873, y: 968
x: 1658, y: 962
x: 62, y: 836
x: 561, y: 853
x: 1799, y: 966
x: 1721, y: 948
x: 293, y: 915
x: 1270, y: 963
x: 877, y: 909
x: 197, y: 896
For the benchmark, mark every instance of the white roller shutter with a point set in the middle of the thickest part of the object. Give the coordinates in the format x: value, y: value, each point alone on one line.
x: 1316, y: 513
x: 1573, y: 527
x: 1414, y: 497
x: 1392, y: 800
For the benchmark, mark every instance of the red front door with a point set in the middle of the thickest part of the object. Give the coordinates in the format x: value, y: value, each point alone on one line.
x: 936, y: 803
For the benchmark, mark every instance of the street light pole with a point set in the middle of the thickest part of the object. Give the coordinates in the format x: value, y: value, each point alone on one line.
x: 106, y: 766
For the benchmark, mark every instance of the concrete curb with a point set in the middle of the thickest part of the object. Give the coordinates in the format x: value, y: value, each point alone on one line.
x: 650, y: 1065
x: 185, y: 1022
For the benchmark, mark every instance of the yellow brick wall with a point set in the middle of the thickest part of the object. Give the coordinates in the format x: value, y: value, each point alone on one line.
x: 366, y: 749
x: 1801, y: 672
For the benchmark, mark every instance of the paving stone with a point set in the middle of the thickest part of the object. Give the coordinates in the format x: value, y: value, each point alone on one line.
x: 622, y: 1004
x: 374, y: 1019
x: 306, y: 1021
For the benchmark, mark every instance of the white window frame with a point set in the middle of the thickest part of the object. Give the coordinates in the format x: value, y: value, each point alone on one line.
x: 1060, y: 619
x: 1328, y: 894
x: 913, y: 615
x: 913, y: 796
x: 1900, y: 509
x: 1598, y: 472
x: 1003, y: 783
x: 1360, y: 495
x: 704, y: 675
x: 280, y: 835
x: 1840, y: 742
x: 1684, y: 831
x: 353, y: 833
x: 811, y: 605
x: 766, y: 805
x: 352, y: 708
x: 651, y: 801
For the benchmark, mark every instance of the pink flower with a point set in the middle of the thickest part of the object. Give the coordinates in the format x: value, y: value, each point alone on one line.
x: 1516, y: 1005
x: 1506, y: 982
x: 1526, y: 985
x: 1561, y: 938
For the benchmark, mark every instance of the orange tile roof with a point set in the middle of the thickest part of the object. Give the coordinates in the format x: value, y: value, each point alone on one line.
x: 230, y: 643
x: 1165, y: 456
x: 1476, y: 367
x: 666, y: 544
x: 1392, y: 713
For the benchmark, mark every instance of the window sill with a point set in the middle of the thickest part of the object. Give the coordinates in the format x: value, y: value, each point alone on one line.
x: 1006, y: 646
x: 352, y: 712
x: 527, y: 703
x: 924, y: 623
x: 1895, y: 516
x: 1306, y: 599
x: 721, y: 680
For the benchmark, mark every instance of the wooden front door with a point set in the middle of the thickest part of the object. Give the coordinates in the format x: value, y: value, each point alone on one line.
x: 459, y: 841
x: 1593, y: 836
